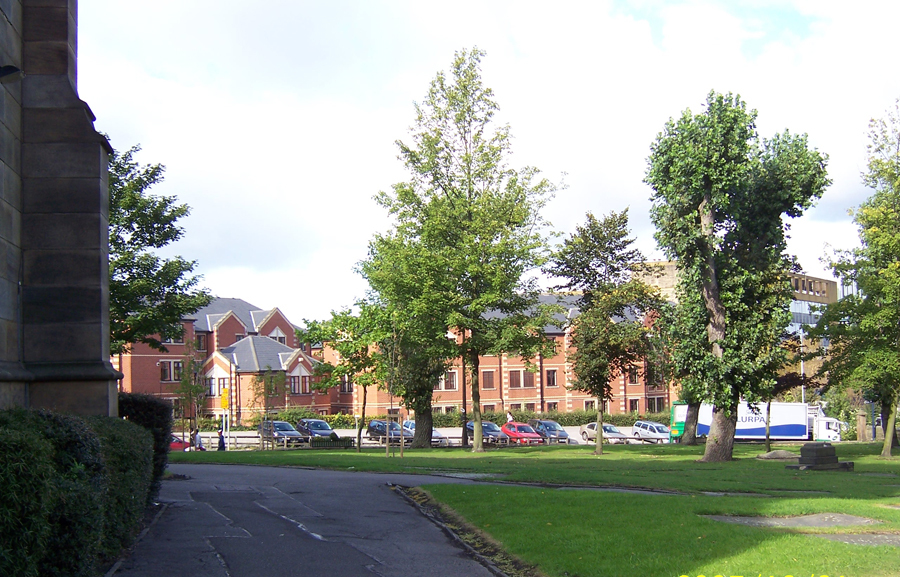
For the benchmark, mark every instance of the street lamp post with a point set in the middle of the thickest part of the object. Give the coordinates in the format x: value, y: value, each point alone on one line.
x: 802, y: 373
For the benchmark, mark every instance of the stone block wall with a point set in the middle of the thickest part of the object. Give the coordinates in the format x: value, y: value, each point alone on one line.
x: 54, y: 211
x: 13, y: 376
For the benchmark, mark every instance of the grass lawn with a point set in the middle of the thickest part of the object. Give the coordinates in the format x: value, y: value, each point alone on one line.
x: 588, y: 532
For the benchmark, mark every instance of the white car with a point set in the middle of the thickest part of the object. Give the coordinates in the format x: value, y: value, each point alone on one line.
x: 650, y: 431
x: 610, y: 433
x: 437, y: 439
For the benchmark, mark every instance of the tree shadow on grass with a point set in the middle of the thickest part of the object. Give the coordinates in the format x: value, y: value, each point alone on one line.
x: 594, y: 533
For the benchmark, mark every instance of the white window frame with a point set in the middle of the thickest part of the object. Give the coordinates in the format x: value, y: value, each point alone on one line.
x: 278, y: 336
x: 171, y: 370
x: 446, y: 384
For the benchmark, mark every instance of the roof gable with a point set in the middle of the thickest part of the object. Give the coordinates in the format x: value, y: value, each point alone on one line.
x: 256, y: 354
x: 208, y: 316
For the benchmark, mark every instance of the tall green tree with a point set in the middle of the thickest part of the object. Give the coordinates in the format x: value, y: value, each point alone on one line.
x: 471, y: 223
x: 610, y: 336
x: 863, y: 328
x: 148, y: 295
x: 720, y: 196
x: 413, y: 358
x: 680, y: 334
x: 416, y: 350
x: 354, y: 338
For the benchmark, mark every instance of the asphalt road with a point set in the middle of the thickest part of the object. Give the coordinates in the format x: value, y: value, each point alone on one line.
x: 241, y: 521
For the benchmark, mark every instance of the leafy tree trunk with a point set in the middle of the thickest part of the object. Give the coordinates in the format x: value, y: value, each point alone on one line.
x: 889, y: 425
x: 424, y: 425
x: 720, y: 444
x: 689, y: 436
x: 598, y: 450
x: 478, y: 441
x: 421, y: 404
x: 768, y: 420
x: 720, y: 449
x: 362, y: 421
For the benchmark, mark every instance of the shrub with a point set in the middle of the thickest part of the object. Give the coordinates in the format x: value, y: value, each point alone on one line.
x: 253, y: 421
x: 26, y: 477
x: 340, y: 421
x: 452, y: 419
x: 78, y: 490
x: 294, y: 414
x: 154, y: 414
x: 206, y: 424
x: 128, y: 453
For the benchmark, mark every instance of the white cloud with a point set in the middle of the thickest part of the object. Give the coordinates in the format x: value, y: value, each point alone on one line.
x: 277, y: 120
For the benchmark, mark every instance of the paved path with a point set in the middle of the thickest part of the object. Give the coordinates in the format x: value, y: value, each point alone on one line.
x: 241, y: 521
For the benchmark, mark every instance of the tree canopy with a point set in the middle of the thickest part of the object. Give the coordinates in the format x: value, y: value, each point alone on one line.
x: 148, y: 294
x: 353, y: 337
x: 863, y: 328
x: 467, y: 227
x: 720, y: 196
x: 610, y: 336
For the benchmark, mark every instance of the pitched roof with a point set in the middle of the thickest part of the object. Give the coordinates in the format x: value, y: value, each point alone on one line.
x: 568, y: 302
x: 208, y: 316
x: 254, y: 354
x: 571, y: 308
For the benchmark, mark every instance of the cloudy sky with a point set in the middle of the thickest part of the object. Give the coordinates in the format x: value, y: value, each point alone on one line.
x: 276, y: 120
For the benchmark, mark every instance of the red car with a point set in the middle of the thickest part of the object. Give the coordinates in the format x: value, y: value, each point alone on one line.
x: 521, y: 433
x: 176, y: 444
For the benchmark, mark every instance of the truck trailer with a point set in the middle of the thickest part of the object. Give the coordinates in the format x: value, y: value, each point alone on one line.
x: 787, y: 421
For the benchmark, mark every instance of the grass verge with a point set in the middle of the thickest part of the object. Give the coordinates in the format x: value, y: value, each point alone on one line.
x: 589, y: 532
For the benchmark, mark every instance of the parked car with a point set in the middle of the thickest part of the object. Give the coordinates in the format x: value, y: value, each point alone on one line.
x: 610, y: 433
x: 178, y: 444
x: 281, y: 432
x: 490, y: 433
x: 314, y: 428
x: 437, y: 439
x: 521, y: 433
x: 650, y: 431
x: 376, y: 431
x: 551, y: 431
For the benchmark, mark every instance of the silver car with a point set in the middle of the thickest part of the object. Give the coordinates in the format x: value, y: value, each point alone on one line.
x: 650, y: 431
x: 610, y: 433
x: 437, y: 439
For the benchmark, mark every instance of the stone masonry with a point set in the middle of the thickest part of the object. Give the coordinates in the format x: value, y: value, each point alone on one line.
x: 54, y: 206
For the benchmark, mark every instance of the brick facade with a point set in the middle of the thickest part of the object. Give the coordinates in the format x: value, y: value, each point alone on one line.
x: 508, y: 383
x: 224, y: 338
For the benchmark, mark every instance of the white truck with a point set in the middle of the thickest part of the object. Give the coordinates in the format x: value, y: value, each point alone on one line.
x: 787, y: 421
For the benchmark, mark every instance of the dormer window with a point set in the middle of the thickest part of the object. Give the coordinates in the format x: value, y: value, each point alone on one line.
x: 278, y: 335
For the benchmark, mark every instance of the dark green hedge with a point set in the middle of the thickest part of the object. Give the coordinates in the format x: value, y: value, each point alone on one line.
x: 128, y: 454
x: 77, y: 488
x: 155, y: 415
x: 26, y: 478
x: 71, y: 491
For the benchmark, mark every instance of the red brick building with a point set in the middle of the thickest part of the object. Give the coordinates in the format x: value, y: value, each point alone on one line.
x: 236, y: 343
x: 507, y: 383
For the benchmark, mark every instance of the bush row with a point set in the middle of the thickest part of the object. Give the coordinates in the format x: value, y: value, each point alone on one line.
x: 72, y: 491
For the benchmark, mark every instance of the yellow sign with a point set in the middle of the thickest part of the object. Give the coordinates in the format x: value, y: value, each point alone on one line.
x: 224, y: 399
